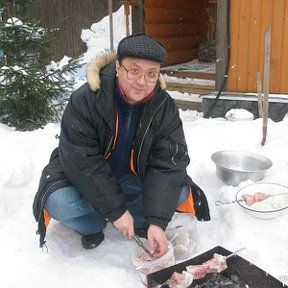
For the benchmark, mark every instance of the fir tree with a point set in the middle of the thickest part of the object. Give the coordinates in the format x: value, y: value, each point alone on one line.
x: 29, y: 92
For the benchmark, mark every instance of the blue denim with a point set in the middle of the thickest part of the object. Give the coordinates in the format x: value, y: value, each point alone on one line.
x: 68, y: 206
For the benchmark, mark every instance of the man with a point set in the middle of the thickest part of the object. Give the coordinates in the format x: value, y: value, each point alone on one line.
x: 122, y: 154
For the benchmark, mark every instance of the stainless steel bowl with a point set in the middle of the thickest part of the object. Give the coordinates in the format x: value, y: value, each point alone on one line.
x: 235, y: 166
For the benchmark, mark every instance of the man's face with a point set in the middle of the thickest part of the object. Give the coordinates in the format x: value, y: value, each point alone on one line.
x: 137, y: 77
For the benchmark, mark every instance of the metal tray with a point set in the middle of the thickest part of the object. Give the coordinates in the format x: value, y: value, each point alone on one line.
x: 249, y: 274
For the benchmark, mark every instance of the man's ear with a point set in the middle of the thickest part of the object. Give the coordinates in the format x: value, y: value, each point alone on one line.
x: 117, y: 66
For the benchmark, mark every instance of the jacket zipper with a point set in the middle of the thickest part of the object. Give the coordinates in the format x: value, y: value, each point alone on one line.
x: 110, y: 143
x: 109, y: 146
x: 142, y: 141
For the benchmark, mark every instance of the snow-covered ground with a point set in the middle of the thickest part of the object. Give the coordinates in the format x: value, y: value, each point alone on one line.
x: 67, y: 264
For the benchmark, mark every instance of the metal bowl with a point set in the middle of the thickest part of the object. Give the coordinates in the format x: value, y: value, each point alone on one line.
x: 235, y: 166
x: 269, y: 208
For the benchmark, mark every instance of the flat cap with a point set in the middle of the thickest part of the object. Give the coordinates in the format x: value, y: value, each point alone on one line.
x: 141, y: 46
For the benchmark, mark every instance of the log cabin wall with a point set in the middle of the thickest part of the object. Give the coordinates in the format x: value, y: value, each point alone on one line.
x: 180, y: 25
x: 249, y: 21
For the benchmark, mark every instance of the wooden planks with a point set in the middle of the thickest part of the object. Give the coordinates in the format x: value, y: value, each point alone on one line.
x: 187, y: 42
x: 177, y: 15
x: 186, y: 74
x: 188, y: 105
x: 277, y: 34
x: 243, y: 38
x: 255, y: 57
x: 71, y: 17
x: 180, y: 25
x: 234, y: 31
x: 248, y: 22
x: 190, y: 88
x: 181, y: 56
x: 284, y: 60
x: 174, y: 29
x: 175, y: 4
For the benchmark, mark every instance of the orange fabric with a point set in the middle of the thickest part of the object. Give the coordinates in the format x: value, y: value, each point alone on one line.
x: 47, y: 217
x: 132, y: 167
x: 188, y: 205
x: 107, y: 155
x: 115, y: 137
x: 116, y: 130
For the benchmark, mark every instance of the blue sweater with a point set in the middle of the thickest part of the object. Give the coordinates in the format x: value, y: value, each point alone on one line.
x: 128, y: 116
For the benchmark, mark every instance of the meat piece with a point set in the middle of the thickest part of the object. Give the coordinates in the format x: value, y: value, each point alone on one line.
x: 198, y: 271
x: 215, y: 265
x: 249, y: 199
x: 256, y: 197
x: 144, y: 257
x: 180, y: 280
x: 260, y: 196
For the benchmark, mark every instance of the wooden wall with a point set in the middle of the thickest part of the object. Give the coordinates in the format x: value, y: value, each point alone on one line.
x: 71, y: 16
x: 179, y: 24
x: 249, y: 21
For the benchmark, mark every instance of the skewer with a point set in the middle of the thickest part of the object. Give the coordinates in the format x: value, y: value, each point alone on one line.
x: 234, y: 253
x: 217, y: 203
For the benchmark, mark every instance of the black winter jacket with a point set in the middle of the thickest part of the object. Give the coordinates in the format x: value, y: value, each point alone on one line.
x: 88, y: 130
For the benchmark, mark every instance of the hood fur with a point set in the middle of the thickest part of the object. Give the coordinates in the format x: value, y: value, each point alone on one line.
x: 98, y: 63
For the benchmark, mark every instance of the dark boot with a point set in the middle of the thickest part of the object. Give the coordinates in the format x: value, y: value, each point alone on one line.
x: 92, y: 240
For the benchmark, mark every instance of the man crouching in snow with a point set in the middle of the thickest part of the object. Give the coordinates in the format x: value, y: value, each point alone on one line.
x: 122, y: 154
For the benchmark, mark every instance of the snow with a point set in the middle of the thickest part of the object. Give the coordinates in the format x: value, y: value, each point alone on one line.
x: 188, y: 81
x: 66, y: 264
x: 13, y: 21
x: 58, y: 65
x: 238, y: 114
x: 194, y: 66
x: 97, y: 38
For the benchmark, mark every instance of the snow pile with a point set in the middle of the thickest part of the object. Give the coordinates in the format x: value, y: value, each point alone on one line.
x: 238, y: 115
x: 97, y: 38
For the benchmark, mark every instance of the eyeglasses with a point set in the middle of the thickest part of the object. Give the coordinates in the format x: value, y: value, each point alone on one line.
x: 135, y: 73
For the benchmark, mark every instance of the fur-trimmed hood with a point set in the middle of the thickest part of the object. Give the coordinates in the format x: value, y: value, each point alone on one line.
x: 98, y: 63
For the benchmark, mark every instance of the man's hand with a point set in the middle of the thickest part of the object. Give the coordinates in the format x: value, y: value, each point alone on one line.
x: 157, y: 241
x: 125, y: 225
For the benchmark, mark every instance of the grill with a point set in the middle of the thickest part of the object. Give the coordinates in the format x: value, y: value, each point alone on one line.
x: 248, y: 273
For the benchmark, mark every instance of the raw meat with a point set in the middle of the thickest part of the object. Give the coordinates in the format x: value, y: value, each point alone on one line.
x: 215, y: 265
x: 257, y: 197
x: 180, y: 280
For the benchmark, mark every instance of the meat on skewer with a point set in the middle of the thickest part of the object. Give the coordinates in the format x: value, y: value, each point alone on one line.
x: 183, y: 280
x: 180, y: 280
x: 256, y: 197
x: 216, y: 264
x: 260, y: 196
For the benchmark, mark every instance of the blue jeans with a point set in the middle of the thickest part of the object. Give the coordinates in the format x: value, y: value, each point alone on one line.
x: 69, y: 207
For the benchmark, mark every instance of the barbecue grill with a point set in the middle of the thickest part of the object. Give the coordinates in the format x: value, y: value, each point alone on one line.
x: 248, y: 273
